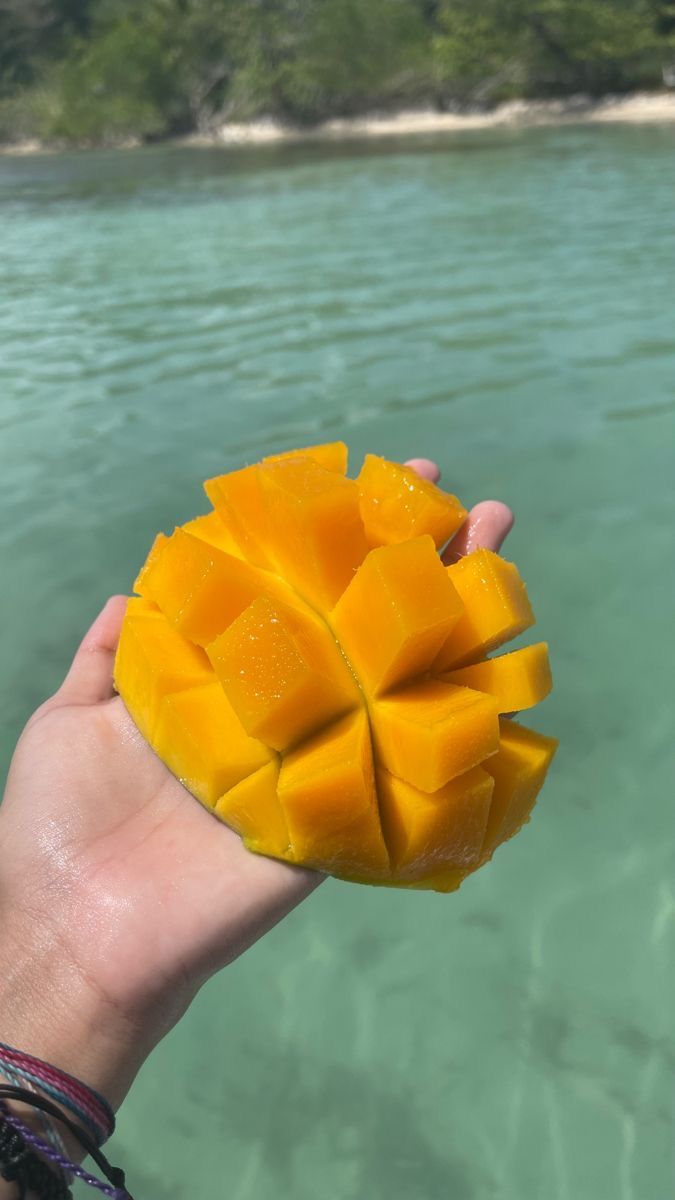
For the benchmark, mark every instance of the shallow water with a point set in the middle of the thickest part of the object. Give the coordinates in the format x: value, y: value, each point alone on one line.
x: 502, y: 302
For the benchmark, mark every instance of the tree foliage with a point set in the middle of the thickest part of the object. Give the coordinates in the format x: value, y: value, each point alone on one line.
x: 103, y: 70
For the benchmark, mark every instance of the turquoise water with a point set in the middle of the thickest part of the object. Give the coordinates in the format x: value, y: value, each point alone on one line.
x: 501, y: 302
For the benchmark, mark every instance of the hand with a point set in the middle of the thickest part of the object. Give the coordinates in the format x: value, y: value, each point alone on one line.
x: 120, y: 894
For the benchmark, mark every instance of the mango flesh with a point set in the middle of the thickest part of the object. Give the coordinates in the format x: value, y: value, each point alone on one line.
x: 519, y: 770
x: 395, y: 614
x: 303, y: 662
x: 516, y: 681
x: 432, y: 731
x: 331, y: 455
x: 397, y: 505
x: 200, y: 588
x: 239, y: 502
x: 315, y: 527
x: 212, y: 529
x: 327, y: 792
x: 201, y: 739
x: 495, y: 604
x: 429, y: 832
x: 253, y: 810
x: 283, y: 672
x: 154, y: 661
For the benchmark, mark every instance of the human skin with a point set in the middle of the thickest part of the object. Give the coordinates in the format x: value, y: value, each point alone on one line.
x: 119, y: 894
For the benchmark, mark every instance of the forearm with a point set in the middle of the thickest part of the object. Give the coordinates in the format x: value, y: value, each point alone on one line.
x: 48, y: 1010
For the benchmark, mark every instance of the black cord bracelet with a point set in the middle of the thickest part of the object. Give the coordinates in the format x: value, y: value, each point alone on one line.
x: 114, y: 1174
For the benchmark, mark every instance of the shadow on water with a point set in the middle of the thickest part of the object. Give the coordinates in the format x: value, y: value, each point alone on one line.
x: 368, y: 1131
x: 372, y: 1142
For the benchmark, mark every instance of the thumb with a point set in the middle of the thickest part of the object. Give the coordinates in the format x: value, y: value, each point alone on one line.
x: 90, y: 678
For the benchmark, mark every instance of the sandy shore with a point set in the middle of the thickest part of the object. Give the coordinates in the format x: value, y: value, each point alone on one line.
x: 641, y: 107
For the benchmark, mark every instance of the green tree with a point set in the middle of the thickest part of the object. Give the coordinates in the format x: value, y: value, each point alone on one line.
x: 24, y: 28
x: 478, y: 50
x: 147, y: 70
x: 546, y: 46
x: 308, y: 59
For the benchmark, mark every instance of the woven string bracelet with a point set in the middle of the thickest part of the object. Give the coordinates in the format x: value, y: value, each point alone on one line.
x: 59, y: 1096
x: 51, y: 1132
x: 88, y: 1106
x: 115, y: 1188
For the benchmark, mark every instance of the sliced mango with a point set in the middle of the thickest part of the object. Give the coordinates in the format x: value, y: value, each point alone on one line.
x: 302, y: 660
x: 519, y: 770
x: 152, y: 660
x: 201, y: 739
x: 200, y: 588
x: 448, y: 880
x: 427, y: 832
x: 155, y: 552
x: 397, y: 505
x: 241, y: 505
x: 496, y: 608
x: 253, y: 810
x: 212, y: 529
x: 331, y: 455
x: 315, y: 527
x: 517, y: 680
x: 431, y: 731
x: 395, y: 614
x: 283, y: 673
x: 327, y: 791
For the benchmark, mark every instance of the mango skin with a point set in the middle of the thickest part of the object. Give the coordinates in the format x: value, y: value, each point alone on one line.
x: 303, y: 662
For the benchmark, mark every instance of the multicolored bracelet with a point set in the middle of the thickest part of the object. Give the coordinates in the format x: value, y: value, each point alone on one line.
x: 116, y: 1187
x: 87, y: 1106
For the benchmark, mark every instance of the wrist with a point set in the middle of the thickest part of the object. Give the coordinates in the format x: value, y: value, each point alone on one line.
x: 50, y: 1010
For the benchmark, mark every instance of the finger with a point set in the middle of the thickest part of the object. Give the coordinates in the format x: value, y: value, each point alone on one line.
x: 90, y: 678
x: 486, y: 527
x: 425, y: 468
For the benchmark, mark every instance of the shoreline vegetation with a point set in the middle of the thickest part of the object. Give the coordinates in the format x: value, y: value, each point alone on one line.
x: 115, y: 73
x: 640, y: 108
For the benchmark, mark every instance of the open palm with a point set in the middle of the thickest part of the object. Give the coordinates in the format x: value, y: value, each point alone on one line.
x: 106, y: 854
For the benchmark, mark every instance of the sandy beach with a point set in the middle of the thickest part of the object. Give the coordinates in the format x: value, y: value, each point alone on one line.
x: 640, y: 107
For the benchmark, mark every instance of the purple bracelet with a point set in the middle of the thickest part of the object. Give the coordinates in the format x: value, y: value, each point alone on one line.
x: 115, y: 1189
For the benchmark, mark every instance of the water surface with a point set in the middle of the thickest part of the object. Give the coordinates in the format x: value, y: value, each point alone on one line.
x: 502, y: 302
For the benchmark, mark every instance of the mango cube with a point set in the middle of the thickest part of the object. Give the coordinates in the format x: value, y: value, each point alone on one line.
x: 517, y: 680
x: 200, y: 588
x: 496, y: 608
x: 212, y: 529
x: 201, y: 739
x: 428, y: 832
x: 397, y: 505
x: 396, y: 614
x: 519, y: 769
x: 153, y: 660
x: 154, y: 554
x: 240, y: 504
x: 327, y: 792
x: 331, y: 455
x: 315, y: 527
x: 432, y: 731
x: 283, y: 673
x: 253, y: 810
